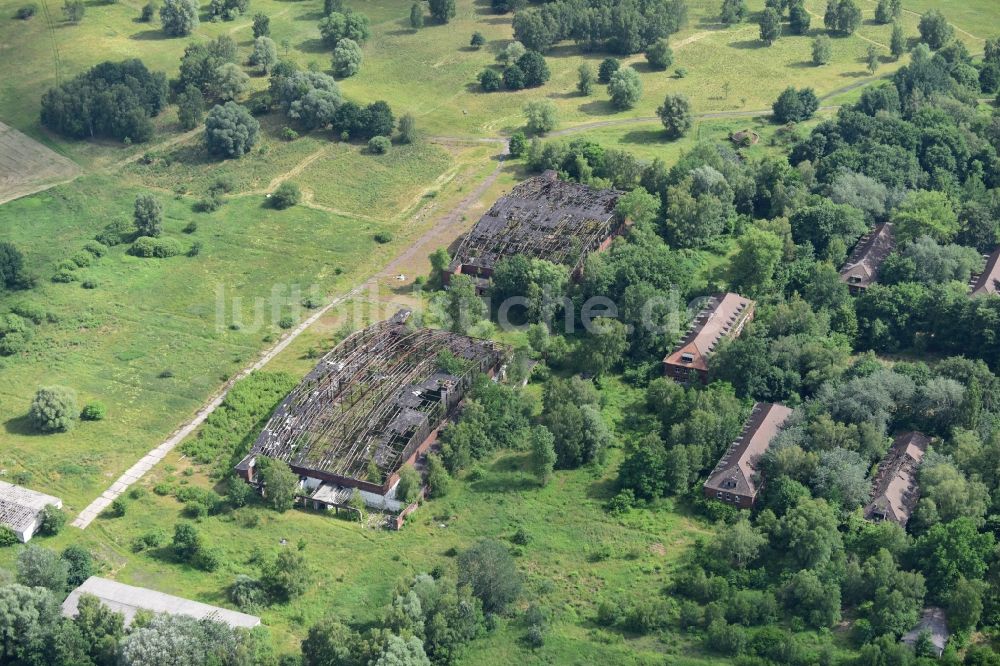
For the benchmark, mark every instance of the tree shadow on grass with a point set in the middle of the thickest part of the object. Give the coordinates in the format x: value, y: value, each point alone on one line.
x: 563, y: 51
x: 505, y: 483
x: 497, y: 20
x: 20, y: 425
x: 598, y: 107
x: 602, y: 489
x: 647, y: 137
x: 149, y: 35
x: 400, y: 32
x: 855, y: 75
x: 747, y: 44
x: 802, y: 64
x: 310, y: 16
x: 312, y: 46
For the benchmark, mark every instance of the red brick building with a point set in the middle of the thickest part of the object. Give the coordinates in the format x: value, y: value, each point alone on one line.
x: 723, y: 317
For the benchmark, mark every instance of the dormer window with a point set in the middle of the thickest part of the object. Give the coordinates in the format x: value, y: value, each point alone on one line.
x: 687, y: 357
x: 854, y: 279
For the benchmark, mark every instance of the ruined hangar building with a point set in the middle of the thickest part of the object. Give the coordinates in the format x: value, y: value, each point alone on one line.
x: 722, y: 317
x: 541, y: 218
x: 735, y: 477
x: 371, y: 405
x: 862, y: 267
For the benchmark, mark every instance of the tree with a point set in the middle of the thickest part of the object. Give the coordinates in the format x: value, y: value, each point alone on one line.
x: 187, y: 542
x: 658, y: 55
x: 770, y: 26
x: 488, y: 568
x: 53, y: 520
x: 442, y: 10
x: 536, y: 71
x: 739, y: 543
x: 410, y: 483
x: 230, y: 130
x: 513, y: 78
x: 585, y: 80
x: 329, y: 643
x: 604, y: 345
x: 477, y: 40
x: 540, y: 115
x: 265, y: 54
x: 675, y: 114
x: 100, y: 628
x: 401, y: 651
x: 794, y: 106
x: 285, y: 196
x: 543, y: 453
x: 148, y: 215
x: 842, y: 16
x: 190, y: 107
x: 607, y: 69
x: 261, y: 25
x: 53, y: 409
x: 799, y: 19
x: 897, y: 45
x: 935, y: 31
x: 822, y: 50
x: 871, y: 59
x: 812, y: 599
x: 41, y: 567
x: 281, y: 484
x: 887, y: 11
x: 625, y: 88
x: 438, y: 479
x: 463, y: 306
x: 79, y: 563
x: 490, y: 80
x: 286, y: 576
x: 12, y: 275
x: 73, y: 10
x: 347, y: 58
x: 734, y: 11
x: 407, y: 127
x: 807, y: 533
x: 925, y: 213
x: 179, y: 639
x: 179, y: 18
x: 344, y: 25
x: 753, y: 266
x: 416, y: 16
x: 31, y: 617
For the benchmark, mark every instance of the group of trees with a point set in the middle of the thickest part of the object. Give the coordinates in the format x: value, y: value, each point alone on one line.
x: 345, y: 30
x: 617, y: 27
x: 111, y: 99
x: 526, y: 69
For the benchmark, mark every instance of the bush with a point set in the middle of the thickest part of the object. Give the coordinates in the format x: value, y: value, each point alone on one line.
x: 53, y: 409
x: 490, y: 80
x: 152, y: 539
x: 288, y: 134
x: 379, y: 145
x: 95, y: 248
x: 116, y: 232
x: 659, y: 56
x: 607, y: 69
x: 230, y: 130
x: 383, y: 237
x: 286, y: 322
x: 117, y: 508
x: 26, y: 12
x: 94, y: 411
x: 53, y: 520
x: 7, y: 537
x: 286, y: 196
x: 148, y: 12
x: 625, y: 88
x: 160, y: 248
x: 622, y: 502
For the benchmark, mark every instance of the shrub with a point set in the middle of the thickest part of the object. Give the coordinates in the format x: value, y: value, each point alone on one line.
x: 82, y: 258
x: 53, y: 520
x: 148, y: 12
x: 195, y: 249
x: 53, y: 409
x: 477, y: 40
x: 94, y: 411
x: 490, y: 80
x: 160, y: 248
x: 622, y: 502
x: 7, y: 537
x: 383, y: 237
x: 607, y: 68
x: 206, y: 559
x: 26, y: 12
x: 95, y: 248
x: 152, y: 539
x: 117, y: 508
x: 286, y: 196
x: 286, y: 322
x: 288, y: 134
x: 659, y: 56
x: 116, y: 232
x: 230, y: 130
x: 379, y: 145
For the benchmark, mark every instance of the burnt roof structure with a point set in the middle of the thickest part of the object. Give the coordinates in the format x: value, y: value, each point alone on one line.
x: 722, y: 317
x: 862, y: 267
x: 734, y: 478
x: 370, y: 402
x: 542, y: 218
x: 988, y: 282
x: 895, y: 491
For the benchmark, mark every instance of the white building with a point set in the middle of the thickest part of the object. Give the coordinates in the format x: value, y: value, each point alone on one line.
x: 21, y: 509
x: 129, y: 600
